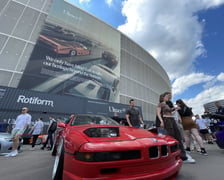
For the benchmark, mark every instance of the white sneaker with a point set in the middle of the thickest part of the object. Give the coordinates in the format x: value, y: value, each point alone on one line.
x: 8, y: 155
x: 188, y: 156
x: 32, y: 148
x: 189, y: 161
x: 14, y: 153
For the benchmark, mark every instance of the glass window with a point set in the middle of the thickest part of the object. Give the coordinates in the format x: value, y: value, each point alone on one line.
x: 37, y: 4
x: 26, y: 23
x: 24, y: 1
x: 12, y: 52
x: 15, y: 80
x: 3, y: 3
x: 5, y: 78
x: 2, y: 41
x: 25, y: 58
x: 38, y: 28
x: 10, y: 16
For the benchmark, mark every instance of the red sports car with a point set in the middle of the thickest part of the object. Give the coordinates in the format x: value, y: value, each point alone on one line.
x: 97, y: 147
x: 60, y: 46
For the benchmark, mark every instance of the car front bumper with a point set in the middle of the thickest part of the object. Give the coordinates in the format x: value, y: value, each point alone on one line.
x: 167, y: 169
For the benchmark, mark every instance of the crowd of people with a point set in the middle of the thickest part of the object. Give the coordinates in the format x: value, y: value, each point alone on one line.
x: 192, y: 131
x: 22, y: 122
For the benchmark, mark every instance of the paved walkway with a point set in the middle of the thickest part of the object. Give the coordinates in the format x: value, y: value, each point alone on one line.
x: 209, y: 167
x: 36, y: 165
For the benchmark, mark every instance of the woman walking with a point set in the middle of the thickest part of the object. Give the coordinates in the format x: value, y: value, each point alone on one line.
x: 167, y: 121
x: 190, y: 127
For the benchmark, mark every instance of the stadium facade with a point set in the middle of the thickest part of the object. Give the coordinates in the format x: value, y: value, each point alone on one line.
x: 51, y: 50
x: 211, y: 107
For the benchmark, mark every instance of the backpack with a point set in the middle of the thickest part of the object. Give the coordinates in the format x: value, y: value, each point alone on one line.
x: 53, y: 126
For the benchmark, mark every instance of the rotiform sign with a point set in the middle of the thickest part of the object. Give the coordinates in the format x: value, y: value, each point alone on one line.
x: 35, y: 100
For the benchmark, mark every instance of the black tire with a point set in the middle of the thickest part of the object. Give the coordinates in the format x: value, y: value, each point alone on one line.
x: 73, y: 53
x: 57, y: 172
x: 54, y: 151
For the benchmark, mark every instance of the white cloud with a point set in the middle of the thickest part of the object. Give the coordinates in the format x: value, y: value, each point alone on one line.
x: 109, y: 2
x: 167, y: 28
x: 220, y: 77
x: 186, y: 81
x: 84, y: 1
x: 208, y: 95
x: 171, y: 32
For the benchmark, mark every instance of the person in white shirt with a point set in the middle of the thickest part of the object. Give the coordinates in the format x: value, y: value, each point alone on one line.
x: 22, y: 122
x: 203, y: 128
x: 36, y: 131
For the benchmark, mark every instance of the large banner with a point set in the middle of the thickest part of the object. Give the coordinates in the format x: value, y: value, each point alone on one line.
x: 75, y: 55
x: 13, y: 99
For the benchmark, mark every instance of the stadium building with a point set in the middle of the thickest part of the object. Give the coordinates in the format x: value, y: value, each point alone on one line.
x: 211, y: 107
x: 58, y: 59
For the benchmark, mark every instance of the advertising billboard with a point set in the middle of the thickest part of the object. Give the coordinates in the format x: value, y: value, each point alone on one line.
x: 75, y: 55
x: 44, y: 104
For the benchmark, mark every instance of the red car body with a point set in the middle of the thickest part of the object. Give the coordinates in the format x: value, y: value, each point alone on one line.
x: 64, y: 47
x: 110, y: 151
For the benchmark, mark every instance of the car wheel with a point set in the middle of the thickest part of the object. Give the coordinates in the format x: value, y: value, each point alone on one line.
x: 73, y: 53
x: 58, y: 163
x: 54, y: 151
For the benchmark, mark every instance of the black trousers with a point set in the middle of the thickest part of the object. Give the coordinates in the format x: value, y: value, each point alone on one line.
x: 171, y: 127
x: 49, y: 137
x: 34, y: 139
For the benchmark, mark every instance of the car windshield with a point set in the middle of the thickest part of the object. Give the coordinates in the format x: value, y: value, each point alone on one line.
x: 4, y: 126
x: 93, y: 119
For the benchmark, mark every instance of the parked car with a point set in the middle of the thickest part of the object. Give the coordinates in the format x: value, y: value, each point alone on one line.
x: 40, y: 140
x: 6, y: 138
x: 110, y: 58
x: 60, y: 46
x: 97, y: 147
x: 6, y: 143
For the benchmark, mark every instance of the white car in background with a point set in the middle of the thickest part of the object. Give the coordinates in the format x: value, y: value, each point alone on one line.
x: 6, y: 141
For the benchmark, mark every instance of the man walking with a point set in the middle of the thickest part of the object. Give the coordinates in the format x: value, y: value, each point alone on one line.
x: 36, y: 131
x: 132, y: 116
x: 51, y: 129
x: 22, y: 122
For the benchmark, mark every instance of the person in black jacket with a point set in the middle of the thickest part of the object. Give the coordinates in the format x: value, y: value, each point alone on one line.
x: 50, y: 130
x: 190, y: 127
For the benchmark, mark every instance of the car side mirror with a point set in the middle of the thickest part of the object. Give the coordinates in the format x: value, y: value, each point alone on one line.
x: 61, y: 125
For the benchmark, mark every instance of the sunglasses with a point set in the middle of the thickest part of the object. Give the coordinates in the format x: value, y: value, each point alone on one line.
x: 23, y: 109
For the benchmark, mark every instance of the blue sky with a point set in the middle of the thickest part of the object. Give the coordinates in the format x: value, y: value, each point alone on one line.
x: 186, y: 37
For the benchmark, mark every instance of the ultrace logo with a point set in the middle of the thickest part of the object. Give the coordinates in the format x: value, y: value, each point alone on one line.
x: 113, y: 109
x: 35, y: 100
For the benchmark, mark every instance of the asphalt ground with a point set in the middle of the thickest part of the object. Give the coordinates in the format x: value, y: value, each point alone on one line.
x: 37, y: 165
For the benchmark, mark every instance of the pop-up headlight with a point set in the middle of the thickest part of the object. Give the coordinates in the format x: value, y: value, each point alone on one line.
x: 102, y: 132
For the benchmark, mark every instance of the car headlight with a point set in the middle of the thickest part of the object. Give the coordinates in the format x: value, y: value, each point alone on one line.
x: 107, y: 156
x: 8, y: 139
x: 102, y: 132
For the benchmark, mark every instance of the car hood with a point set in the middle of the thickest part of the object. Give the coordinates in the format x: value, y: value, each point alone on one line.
x: 125, y: 133
x: 129, y: 138
x: 5, y: 135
